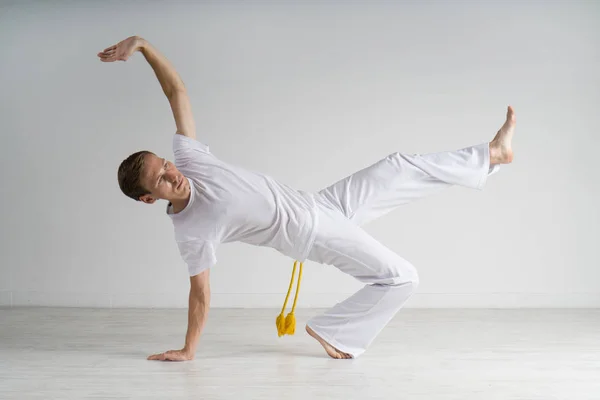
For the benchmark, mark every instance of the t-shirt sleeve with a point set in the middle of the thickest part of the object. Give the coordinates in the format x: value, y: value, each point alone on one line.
x: 186, y: 148
x: 199, y: 255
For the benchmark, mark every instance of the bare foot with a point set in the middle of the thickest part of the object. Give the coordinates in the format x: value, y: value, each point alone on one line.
x: 332, y: 351
x: 501, y: 147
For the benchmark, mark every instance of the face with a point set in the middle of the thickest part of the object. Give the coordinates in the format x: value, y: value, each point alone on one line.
x: 163, y: 181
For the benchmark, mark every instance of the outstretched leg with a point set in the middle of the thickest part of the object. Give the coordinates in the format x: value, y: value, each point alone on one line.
x: 401, y: 178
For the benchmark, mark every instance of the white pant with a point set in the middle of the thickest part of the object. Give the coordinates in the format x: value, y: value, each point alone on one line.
x: 351, y: 326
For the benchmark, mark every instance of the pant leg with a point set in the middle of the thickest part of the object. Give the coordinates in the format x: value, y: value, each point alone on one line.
x: 401, y: 178
x: 351, y: 326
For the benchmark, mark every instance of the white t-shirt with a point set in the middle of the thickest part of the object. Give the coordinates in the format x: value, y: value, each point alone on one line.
x: 229, y: 203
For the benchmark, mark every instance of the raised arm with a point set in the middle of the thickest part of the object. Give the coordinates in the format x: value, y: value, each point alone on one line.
x: 168, y: 78
x: 199, y: 304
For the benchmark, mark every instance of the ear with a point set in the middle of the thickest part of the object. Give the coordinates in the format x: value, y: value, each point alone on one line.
x: 148, y: 199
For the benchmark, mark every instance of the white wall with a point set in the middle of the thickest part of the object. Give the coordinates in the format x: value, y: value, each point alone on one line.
x: 306, y: 93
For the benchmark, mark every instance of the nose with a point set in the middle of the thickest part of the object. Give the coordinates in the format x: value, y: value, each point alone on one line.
x: 174, y: 178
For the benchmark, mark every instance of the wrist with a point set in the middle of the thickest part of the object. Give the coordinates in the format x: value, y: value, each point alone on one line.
x: 188, y: 348
x: 140, y: 43
x: 190, y: 351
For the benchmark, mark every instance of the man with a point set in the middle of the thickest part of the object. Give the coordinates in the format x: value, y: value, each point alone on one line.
x: 212, y: 202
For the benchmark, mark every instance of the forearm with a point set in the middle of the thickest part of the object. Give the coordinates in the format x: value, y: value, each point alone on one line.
x: 199, y: 304
x: 168, y: 78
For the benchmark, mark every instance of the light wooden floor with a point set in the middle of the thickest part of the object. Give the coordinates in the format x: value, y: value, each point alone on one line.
x: 68, y: 353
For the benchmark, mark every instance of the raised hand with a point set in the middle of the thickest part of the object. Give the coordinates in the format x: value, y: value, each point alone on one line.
x: 122, y: 50
x: 173, y: 355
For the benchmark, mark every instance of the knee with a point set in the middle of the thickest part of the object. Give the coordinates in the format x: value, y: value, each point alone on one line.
x: 415, y: 281
x: 413, y: 278
x: 405, y: 273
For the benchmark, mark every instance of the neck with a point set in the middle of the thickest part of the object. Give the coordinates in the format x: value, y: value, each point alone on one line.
x: 180, y: 204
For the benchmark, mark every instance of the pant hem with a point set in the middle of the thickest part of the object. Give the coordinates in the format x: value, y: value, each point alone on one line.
x: 486, y: 166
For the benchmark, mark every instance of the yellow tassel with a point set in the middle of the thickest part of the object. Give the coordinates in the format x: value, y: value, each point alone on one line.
x: 280, y: 324
x: 290, y: 324
x: 287, y: 325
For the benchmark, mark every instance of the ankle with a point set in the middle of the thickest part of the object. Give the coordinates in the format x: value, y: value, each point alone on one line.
x: 494, y: 153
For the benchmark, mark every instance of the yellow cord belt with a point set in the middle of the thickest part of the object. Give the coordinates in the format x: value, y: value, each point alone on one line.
x: 287, y: 325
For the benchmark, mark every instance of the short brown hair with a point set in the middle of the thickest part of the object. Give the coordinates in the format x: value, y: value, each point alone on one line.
x: 130, y: 173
